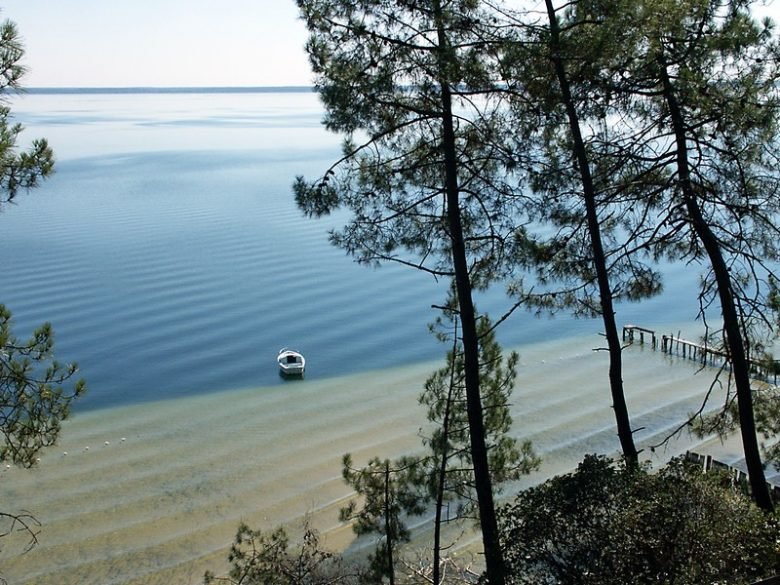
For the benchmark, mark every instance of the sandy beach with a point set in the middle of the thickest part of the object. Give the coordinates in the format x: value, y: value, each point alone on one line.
x: 153, y: 493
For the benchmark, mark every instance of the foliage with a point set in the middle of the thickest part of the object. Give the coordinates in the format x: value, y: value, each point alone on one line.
x: 607, y: 524
x: 586, y: 259
x: 704, y: 95
x: 391, y: 491
x: 647, y: 130
x: 382, y: 67
x: 448, y: 473
x: 18, y: 170
x: 449, y: 442
x: 34, y: 397
x: 266, y: 559
x: 388, y: 495
x: 584, y: 212
x: 767, y: 406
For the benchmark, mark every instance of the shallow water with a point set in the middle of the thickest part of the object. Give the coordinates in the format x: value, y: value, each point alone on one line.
x: 153, y: 493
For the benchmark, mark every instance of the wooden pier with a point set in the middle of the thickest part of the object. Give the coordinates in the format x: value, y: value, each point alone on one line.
x: 702, y: 353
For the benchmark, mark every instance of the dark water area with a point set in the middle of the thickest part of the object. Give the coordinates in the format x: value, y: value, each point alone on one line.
x: 169, y: 255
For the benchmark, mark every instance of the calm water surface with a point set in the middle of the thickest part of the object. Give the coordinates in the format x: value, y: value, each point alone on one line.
x: 169, y: 255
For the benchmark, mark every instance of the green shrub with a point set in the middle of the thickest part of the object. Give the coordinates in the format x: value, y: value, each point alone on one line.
x: 605, y: 524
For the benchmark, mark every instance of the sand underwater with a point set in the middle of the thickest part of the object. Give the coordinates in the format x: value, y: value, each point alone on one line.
x: 153, y: 493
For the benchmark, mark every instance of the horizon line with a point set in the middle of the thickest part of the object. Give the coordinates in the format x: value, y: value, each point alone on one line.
x: 170, y: 89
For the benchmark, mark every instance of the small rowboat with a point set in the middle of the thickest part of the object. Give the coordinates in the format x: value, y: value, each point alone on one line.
x: 291, y: 363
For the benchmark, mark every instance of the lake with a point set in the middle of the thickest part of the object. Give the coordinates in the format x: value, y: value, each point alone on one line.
x: 169, y: 255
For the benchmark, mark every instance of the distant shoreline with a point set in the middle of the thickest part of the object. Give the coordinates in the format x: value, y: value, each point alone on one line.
x: 155, y: 90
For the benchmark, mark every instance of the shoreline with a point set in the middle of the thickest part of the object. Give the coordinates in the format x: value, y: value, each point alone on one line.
x: 154, y: 492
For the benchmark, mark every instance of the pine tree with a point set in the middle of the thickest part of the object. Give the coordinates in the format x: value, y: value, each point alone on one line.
x: 429, y: 178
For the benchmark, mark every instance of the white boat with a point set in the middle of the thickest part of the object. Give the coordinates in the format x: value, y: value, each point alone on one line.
x: 291, y: 363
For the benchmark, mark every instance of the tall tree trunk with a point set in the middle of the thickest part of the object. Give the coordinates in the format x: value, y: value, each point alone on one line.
x: 494, y: 559
x: 625, y: 434
x: 440, y: 482
x: 389, y: 527
x: 441, y: 475
x: 483, y: 483
x: 733, y: 332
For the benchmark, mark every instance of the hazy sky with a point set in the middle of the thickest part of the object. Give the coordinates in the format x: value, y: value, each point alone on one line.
x: 126, y: 43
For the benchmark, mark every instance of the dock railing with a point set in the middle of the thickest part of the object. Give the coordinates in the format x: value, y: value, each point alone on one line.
x: 630, y: 332
x: 703, y: 353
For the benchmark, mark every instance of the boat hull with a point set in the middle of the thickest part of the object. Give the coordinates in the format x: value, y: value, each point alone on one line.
x: 291, y: 363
